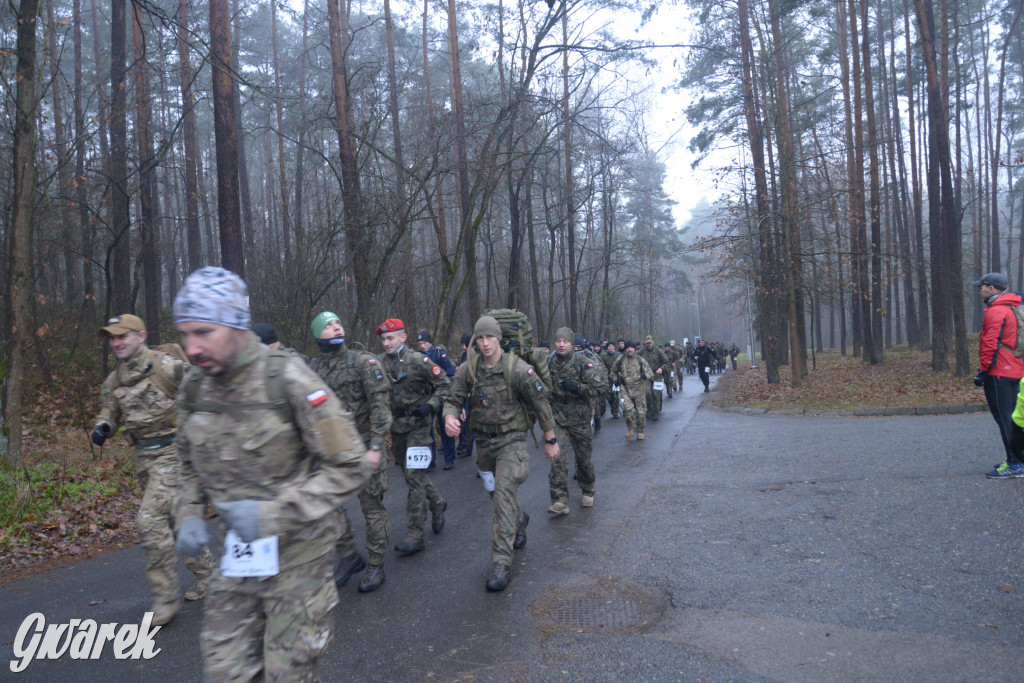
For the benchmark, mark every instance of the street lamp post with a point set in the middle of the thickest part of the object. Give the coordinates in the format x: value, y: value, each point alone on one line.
x: 697, y: 304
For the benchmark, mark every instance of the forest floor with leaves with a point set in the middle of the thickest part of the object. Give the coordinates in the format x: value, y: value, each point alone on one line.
x: 70, y: 502
x: 834, y: 382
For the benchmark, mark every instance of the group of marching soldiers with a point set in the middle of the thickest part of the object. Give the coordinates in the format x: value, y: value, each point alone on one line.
x: 277, y: 443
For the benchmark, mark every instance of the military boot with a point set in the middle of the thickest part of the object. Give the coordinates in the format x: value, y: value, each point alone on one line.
x: 520, y: 541
x: 198, y: 589
x: 501, y: 575
x: 164, y: 612
x: 629, y: 434
x: 347, y: 567
x: 639, y: 436
x: 409, y: 546
x: 437, y: 517
x: 373, y: 579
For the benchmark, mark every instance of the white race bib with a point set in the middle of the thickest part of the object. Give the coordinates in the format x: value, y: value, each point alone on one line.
x: 488, y: 479
x: 671, y: 373
x: 615, y: 388
x: 707, y: 369
x: 258, y: 558
x: 417, y: 457
x: 659, y: 386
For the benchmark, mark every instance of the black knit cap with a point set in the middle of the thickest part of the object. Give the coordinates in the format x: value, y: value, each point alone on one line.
x: 265, y: 332
x: 424, y: 335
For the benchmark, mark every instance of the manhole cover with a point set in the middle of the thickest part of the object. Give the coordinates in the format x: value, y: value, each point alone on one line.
x: 592, y: 606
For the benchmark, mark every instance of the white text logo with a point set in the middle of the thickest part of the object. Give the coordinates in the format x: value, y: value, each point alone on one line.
x: 81, y: 639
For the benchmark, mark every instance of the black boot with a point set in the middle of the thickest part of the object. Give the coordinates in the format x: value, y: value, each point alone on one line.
x: 501, y: 575
x: 597, y: 425
x: 409, y: 546
x: 347, y: 567
x: 373, y: 579
x: 520, y: 541
x: 437, y: 517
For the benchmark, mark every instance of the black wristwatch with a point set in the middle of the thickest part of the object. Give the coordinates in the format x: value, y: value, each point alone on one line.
x: 553, y: 441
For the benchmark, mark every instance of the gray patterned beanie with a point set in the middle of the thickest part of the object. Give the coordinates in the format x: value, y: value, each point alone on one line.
x: 213, y: 295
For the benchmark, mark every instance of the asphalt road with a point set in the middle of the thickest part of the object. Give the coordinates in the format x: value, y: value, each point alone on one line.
x: 724, y: 547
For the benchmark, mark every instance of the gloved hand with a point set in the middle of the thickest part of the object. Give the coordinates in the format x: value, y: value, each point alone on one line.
x: 979, y: 379
x: 192, y: 536
x: 570, y: 386
x: 243, y: 516
x: 100, y: 434
x: 423, y: 409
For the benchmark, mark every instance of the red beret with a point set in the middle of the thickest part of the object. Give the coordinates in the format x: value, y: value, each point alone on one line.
x: 390, y: 325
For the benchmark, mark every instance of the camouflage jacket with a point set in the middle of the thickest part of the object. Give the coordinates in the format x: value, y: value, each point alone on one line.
x: 356, y: 377
x: 128, y: 395
x: 302, y: 461
x: 414, y: 379
x: 655, y: 357
x: 609, y: 359
x: 497, y: 412
x: 632, y: 374
x: 573, y: 409
x: 601, y: 368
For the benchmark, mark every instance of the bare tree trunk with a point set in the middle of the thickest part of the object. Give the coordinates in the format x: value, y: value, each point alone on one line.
x: 570, y: 200
x: 85, y: 227
x: 466, y: 225
x: 225, y: 129
x: 192, y: 234
x: 300, y: 147
x: 248, y: 226
x: 916, y: 206
x: 63, y: 165
x: 998, y: 125
x: 148, y: 199
x: 19, y: 274
x: 286, y: 227
x: 357, y: 237
x: 119, y: 197
x: 877, y: 335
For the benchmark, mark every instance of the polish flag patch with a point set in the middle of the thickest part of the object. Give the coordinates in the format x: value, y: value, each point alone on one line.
x: 373, y: 361
x: 317, y: 397
x: 529, y: 371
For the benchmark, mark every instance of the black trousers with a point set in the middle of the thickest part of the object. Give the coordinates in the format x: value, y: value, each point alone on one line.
x: 1001, y: 396
x: 704, y: 377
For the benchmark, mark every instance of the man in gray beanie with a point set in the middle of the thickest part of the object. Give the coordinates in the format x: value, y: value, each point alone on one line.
x: 263, y: 438
x: 500, y: 388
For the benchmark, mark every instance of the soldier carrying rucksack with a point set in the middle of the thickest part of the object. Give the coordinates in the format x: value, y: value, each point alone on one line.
x: 505, y: 395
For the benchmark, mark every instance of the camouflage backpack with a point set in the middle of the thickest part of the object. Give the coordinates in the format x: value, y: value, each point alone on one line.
x: 276, y: 397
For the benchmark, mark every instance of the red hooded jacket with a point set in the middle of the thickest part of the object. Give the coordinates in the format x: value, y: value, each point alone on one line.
x: 999, y: 317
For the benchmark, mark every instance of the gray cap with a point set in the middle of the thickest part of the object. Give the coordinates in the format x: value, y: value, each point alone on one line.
x: 997, y: 280
x: 213, y: 295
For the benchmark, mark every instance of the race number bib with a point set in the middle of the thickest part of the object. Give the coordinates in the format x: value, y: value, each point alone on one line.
x: 258, y: 558
x: 615, y: 388
x: 659, y: 386
x: 707, y: 368
x: 417, y: 457
x: 672, y: 373
x: 488, y: 480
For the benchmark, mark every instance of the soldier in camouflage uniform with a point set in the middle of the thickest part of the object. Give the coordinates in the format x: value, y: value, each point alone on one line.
x: 677, y: 354
x: 609, y: 357
x: 501, y: 389
x: 418, y: 388
x: 140, y: 393
x: 574, y: 384
x: 357, y: 379
x: 632, y: 373
x: 593, y: 354
x: 656, y: 359
x: 272, y: 447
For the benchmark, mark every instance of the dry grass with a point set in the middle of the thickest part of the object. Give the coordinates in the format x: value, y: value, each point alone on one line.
x: 904, y: 378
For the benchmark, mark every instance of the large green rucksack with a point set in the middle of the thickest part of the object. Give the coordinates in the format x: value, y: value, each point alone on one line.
x: 167, y: 385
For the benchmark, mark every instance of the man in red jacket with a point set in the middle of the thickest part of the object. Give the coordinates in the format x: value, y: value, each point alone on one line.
x: 999, y: 371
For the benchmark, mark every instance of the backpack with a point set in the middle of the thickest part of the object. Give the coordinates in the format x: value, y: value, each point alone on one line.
x: 168, y: 386
x: 1018, y: 348
x: 276, y: 398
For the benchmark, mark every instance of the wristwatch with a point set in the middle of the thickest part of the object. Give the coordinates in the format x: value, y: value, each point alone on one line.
x: 551, y: 441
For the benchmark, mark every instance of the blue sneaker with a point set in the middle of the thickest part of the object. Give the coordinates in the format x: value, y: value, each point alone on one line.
x: 1007, y: 471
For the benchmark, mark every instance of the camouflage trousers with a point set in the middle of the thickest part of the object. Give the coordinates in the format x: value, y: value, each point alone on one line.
x: 270, y: 628
x: 422, y: 492
x: 578, y: 439
x: 678, y: 379
x: 613, y: 403
x: 653, y: 400
x: 636, y: 403
x: 599, y: 407
x: 378, y: 531
x: 510, y: 463
x: 158, y: 471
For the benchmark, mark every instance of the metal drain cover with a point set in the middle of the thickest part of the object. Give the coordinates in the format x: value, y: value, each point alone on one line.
x: 593, y: 606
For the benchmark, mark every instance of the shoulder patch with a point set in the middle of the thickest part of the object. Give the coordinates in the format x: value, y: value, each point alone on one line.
x: 590, y: 365
x: 317, y: 397
x: 529, y: 370
x: 540, y: 387
x: 436, y: 370
x: 426, y: 359
x: 372, y: 361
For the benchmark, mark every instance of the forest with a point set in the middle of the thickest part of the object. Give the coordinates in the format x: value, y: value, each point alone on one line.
x: 432, y: 159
